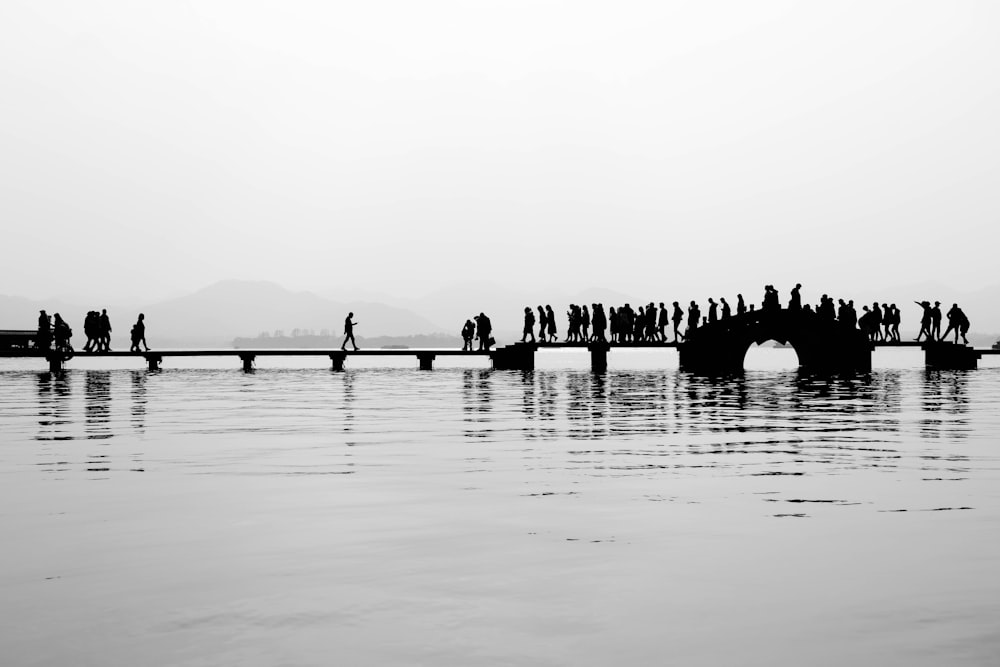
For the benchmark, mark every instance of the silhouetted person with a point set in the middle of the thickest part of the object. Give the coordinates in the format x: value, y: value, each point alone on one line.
x: 876, y: 322
x: 662, y: 322
x: 550, y: 319
x: 957, y: 322
x: 936, y: 321
x: 543, y: 322
x: 727, y: 312
x: 677, y: 317
x: 741, y: 306
x: 44, y: 339
x: 886, y: 322
x: 649, y: 323
x: 795, y: 303
x: 694, y: 318
x: 771, y: 300
x: 139, y: 334
x: 897, y: 318
x: 585, y: 323
x: 91, y: 325
x: 484, y: 329
x: 600, y: 321
x: 349, y: 325
x: 62, y: 334
x: 468, y: 333
x: 615, y: 324
x: 104, y: 332
x: 925, y: 320
x: 529, y: 325
x: 713, y: 311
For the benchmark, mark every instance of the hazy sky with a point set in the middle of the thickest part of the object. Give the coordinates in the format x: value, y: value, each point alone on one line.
x: 403, y: 145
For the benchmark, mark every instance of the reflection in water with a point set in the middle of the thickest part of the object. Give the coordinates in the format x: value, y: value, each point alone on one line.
x: 138, y: 408
x: 97, y: 405
x: 944, y: 402
x: 53, y: 406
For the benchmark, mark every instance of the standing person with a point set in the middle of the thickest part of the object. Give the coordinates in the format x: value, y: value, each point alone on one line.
x: 795, y: 303
x: 483, y: 330
x: 727, y: 312
x: 468, y: 333
x: 614, y: 322
x: 62, y: 333
x: 694, y: 317
x: 44, y: 339
x: 887, y: 316
x: 550, y: 318
x: 529, y: 325
x: 585, y: 323
x: 139, y: 334
x: 349, y: 325
x: 713, y: 311
x: 897, y: 317
x: 741, y: 306
x: 936, y: 321
x: 104, y: 332
x: 677, y: 317
x: 543, y: 323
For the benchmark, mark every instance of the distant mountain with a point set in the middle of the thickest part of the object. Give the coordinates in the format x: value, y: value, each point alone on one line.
x: 226, y: 310
x: 232, y: 308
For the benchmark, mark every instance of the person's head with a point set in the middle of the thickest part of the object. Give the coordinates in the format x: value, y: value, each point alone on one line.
x: 936, y: 303
x: 41, y: 312
x: 798, y: 285
x: 527, y: 310
x: 104, y: 311
x: 661, y: 304
x: 350, y: 314
x: 141, y: 317
x: 676, y: 304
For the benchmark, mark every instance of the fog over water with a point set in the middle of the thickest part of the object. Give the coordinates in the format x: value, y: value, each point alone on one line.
x: 470, y: 517
x: 404, y: 146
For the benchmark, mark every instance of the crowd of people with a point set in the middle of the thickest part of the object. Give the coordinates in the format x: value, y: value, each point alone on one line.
x: 97, y: 327
x: 650, y: 323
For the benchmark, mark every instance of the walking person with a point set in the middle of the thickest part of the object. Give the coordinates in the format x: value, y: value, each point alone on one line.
x: 529, y: 325
x: 139, y: 334
x: 543, y: 323
x: 550, y: 318
x: 741, y: 306
x: 104, y: 332
x: 349, y: 325
x: 925, y: 321
x: 677, y: 317
x: 662, y: 322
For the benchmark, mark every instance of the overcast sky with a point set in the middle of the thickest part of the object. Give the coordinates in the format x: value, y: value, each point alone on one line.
x: 404, y: 145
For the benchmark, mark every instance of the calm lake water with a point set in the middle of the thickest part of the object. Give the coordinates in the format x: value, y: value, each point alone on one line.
x: 387, y: 516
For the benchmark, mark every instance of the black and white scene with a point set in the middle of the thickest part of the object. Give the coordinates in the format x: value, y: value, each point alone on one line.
x: 479, y: 333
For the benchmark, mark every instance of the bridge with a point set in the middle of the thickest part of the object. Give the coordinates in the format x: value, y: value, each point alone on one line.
x: 822, y: 345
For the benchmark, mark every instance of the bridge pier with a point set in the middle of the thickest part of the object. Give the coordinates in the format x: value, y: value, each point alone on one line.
x: 599, y: 357
x: 941, y: 355
x: 154, y: 361
x: 55, y: 362
x: 248, y: 360
x: 337, y: 360
x: 516, y: 357
x: 426, y: 361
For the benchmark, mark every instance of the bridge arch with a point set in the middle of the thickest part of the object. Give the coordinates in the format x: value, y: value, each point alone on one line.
x: 821, y: 344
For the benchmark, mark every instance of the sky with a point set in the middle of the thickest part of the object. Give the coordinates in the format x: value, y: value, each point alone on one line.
x: 155, y: 148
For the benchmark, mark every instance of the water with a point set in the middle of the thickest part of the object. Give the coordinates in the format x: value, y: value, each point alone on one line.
x: 387, y: 516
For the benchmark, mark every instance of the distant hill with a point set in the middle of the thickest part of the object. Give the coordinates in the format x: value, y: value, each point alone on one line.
x: 226, y: 310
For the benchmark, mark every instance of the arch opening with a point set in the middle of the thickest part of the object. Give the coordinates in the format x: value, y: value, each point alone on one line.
x: 771, y: 355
